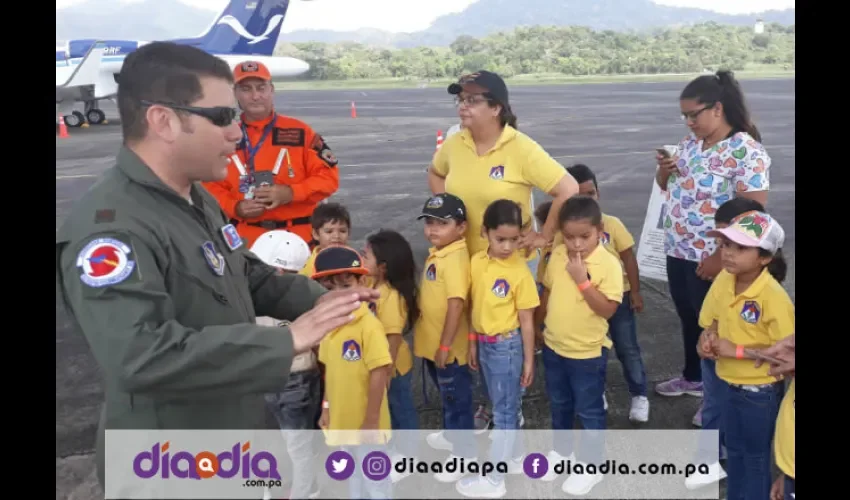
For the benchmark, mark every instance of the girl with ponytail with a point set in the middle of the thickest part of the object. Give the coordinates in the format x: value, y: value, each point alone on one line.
x: 722, y: 158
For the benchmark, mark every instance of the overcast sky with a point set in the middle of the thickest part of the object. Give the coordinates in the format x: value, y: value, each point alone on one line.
x: 415, y: 15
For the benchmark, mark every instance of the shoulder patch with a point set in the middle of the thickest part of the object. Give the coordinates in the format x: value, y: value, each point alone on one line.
x: 106, y: 261
x: 288, y: 137
x: 321, y: 147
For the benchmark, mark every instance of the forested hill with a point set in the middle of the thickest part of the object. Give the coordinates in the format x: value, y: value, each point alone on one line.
x: 566, y: 50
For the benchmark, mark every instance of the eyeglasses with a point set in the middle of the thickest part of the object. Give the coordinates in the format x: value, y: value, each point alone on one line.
x: 693, y: 115
x: 470, y: 100
x: 220, y: 116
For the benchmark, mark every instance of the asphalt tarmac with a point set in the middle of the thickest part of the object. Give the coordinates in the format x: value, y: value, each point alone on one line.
x: 613, y: 128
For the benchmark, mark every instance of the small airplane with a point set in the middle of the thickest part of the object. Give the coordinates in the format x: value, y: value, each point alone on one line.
x: 244, y: 29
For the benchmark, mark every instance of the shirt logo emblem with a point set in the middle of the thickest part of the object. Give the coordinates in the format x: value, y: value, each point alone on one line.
x: 213, y: 258
x: 501, y: 288
x: 751, y: 312
x: 497, y: 173
x: 350, y: 350
x: 104, y: 262
x: 431, y: 273
x: 231, y: 237
x: 605, y: 238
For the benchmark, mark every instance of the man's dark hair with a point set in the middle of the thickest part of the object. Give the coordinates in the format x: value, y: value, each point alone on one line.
x: 330, y: 212
x: 163, y: 72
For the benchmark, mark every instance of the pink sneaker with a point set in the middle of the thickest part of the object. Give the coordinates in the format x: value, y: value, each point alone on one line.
x: 679, y: 386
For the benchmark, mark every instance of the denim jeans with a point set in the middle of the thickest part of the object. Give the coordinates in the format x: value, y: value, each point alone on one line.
x: 295, y: 410
x: 455, y: 384
x: 688, y: 292
x: 623, y: 329
x: 360, y: 486
x: 481, y: 394
x: 750, y: 421
x: 403, y: 414
x: 715, y: 391
x: 575, y: 387
x: 501, y: 363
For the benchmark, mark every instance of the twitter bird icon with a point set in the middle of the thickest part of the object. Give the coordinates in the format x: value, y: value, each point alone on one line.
x: 339, y: 465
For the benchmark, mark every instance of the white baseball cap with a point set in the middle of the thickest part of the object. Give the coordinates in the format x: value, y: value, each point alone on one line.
x: 754, y: 229
x: 282, y: 249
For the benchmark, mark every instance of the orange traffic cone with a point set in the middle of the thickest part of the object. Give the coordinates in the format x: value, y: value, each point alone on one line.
x: 439, y: 139
x: 353, y: 110
x: 63, y: 129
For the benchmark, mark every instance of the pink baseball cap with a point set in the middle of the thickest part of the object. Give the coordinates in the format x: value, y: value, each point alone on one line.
x: 753, y: 229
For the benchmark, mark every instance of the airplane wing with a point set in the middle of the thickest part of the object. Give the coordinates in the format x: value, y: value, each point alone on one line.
x: 86, y: 73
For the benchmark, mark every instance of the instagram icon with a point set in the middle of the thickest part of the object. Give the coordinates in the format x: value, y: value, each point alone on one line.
x: 377, y: 465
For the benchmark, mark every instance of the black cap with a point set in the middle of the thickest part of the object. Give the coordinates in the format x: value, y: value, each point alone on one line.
x: 491, y: 81
x: 444, y: 206
x: 337, y: 260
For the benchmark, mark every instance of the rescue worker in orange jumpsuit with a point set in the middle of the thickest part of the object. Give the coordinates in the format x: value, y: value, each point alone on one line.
x: 281, y: 170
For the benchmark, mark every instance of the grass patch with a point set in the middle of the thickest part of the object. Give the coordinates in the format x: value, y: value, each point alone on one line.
x: 520, y: 80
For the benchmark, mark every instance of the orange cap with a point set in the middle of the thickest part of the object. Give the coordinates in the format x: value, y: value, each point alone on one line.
x: 251, y: 69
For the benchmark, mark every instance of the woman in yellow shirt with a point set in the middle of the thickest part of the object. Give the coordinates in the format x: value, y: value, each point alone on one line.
x: 747, y: 309
x: 389, y: 259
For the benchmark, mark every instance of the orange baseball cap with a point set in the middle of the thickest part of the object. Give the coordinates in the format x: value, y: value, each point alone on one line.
x: 251, y: 69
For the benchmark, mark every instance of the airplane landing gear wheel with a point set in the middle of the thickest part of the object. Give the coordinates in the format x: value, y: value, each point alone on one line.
x: 74, y: 120
x: 95, y: 116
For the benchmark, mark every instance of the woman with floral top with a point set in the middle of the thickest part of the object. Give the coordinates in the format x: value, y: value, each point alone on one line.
x: 722, y: 158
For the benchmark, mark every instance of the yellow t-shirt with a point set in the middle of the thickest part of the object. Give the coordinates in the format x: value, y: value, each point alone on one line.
x: 784, y: 438
x: 392, y: 313
x: 614, y: 237
x: 500, y: 289
x: 545, y: 254
x: 573, y: 330
x: 762, y: 315
x: 349, y: 354
x: 309, y: 266
x: 510, y: 170
x: 445, y: 275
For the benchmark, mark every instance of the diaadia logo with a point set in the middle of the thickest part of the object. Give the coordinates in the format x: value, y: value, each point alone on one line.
x: 161, y: 461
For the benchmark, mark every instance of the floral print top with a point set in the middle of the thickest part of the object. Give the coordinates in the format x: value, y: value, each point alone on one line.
x: 706, y: 180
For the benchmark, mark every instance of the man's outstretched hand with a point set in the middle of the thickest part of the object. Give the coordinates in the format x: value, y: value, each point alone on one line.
x: 332, y: 310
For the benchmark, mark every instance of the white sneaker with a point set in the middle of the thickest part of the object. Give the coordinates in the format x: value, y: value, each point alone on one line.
x: 640, y: 409
x: 515, y: 466
x: 553, y: 457
x: 480, y: 487
x: 715, y: 474
x: 396, y: 476
x: 450, y: 477
x: 581, y: 484
x: 438, y: 441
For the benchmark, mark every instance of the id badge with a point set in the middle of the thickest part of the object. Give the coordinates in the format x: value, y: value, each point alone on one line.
x: 245, y: 183
x: 264, y: 178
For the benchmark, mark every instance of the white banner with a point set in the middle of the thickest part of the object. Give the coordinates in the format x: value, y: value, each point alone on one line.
x: 249, y: 464
x: 652, y: 261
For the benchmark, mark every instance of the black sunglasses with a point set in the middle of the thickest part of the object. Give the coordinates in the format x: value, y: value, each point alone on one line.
x: 220, y: 116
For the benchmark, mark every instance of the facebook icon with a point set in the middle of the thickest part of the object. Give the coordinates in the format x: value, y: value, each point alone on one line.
x: 535, y: 465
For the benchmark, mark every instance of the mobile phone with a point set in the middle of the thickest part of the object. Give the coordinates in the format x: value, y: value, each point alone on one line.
x: 759, y: 355
x: 263, y: 178
x: 663, y: 152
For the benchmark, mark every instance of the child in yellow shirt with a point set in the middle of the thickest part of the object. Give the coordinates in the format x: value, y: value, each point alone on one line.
x: 389, y: 259
x: 331, y: 226
x: 440, y: 334
x: 502, y: 302
x: 357, y: 363
x: 747, y: 308
x: 583, y: 287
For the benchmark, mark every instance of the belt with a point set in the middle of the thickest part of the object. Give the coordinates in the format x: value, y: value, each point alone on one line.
x: 757, y: 387
x: 277, y: 224
x: 499, y: 337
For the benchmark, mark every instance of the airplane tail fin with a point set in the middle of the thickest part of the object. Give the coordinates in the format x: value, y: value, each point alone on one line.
x: 243, y: 27
x: 88, y: 71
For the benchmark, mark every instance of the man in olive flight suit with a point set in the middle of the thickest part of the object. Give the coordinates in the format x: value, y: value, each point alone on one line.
x: 159, y: 281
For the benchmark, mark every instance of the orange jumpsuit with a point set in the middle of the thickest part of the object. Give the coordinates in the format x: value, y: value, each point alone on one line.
x: 308, y: 167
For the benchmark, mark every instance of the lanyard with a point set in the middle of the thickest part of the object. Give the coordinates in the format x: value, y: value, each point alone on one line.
x: 251, y: 151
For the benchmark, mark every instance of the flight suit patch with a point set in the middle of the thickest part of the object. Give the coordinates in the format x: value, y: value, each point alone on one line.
x: 106, y: 261
x: 104, y: 215
x: 231, y: 237
x: 213, y: 258
x: 288, y: 137
x: 321, y: 147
